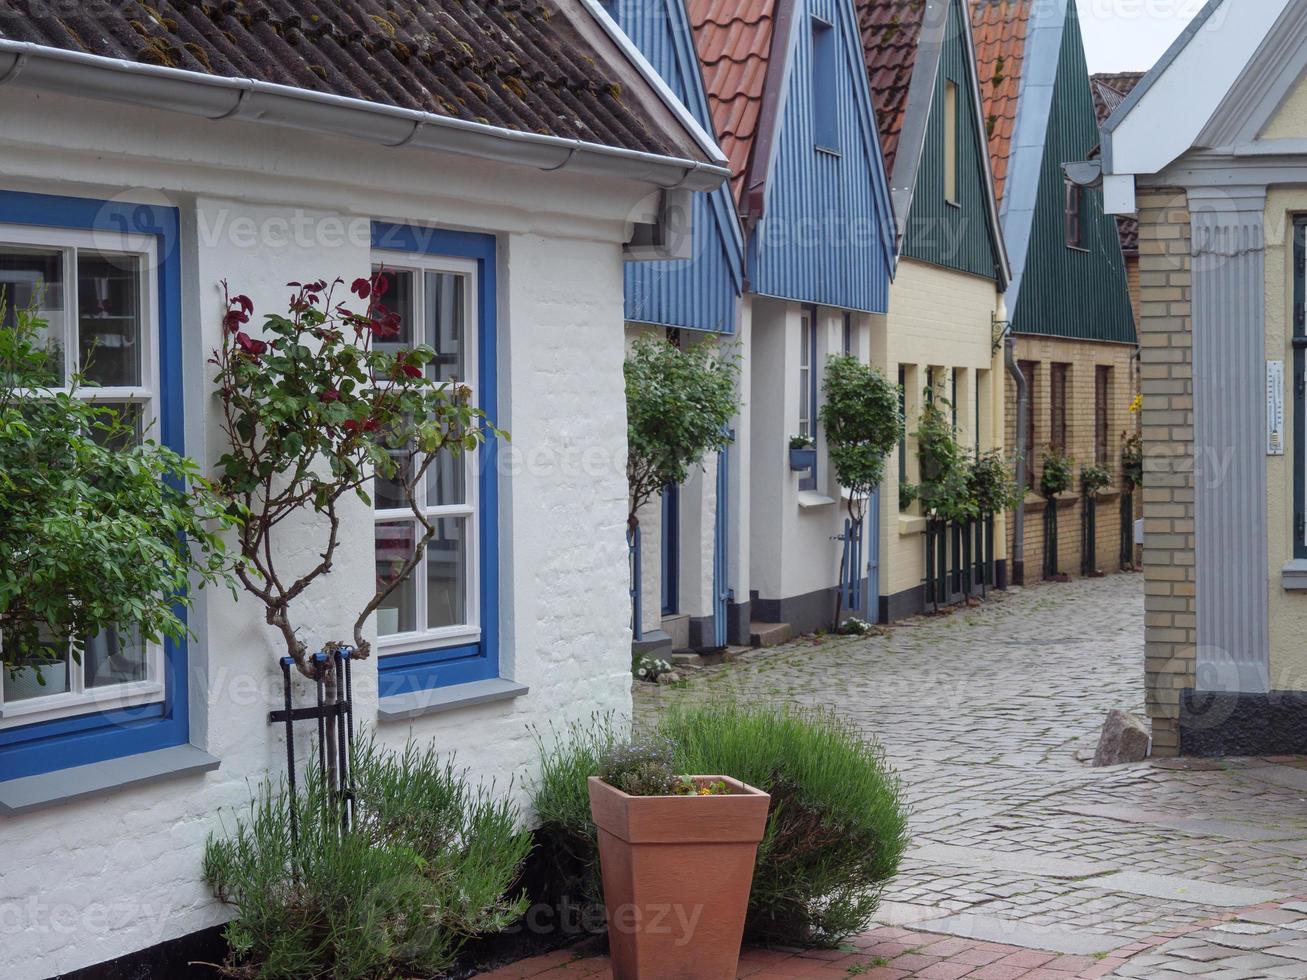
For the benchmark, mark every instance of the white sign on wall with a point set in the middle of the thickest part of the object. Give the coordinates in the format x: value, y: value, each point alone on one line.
x: 1274, y: 408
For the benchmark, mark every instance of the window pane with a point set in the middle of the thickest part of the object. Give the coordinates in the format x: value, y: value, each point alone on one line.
x: 398, y: 614
x: 398, y: 298
x: 445, y: 326
x: 36, y: 682
x: 116, y: 656
x: 32, y: 278
x: 388, y: 494
x: 447, y: 574
x: 447, y: 480
x: 109, y: 318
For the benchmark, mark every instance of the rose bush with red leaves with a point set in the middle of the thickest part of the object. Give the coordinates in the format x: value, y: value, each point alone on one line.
x: 311, y: 410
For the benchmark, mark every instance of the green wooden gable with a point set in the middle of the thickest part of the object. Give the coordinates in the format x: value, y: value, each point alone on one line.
x: 1080, y: 294
x: 960, y: 234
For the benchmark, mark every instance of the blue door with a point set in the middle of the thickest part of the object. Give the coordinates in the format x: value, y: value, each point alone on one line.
x: 671, y: 549
x: 721, y: 540
x: 872, y: 533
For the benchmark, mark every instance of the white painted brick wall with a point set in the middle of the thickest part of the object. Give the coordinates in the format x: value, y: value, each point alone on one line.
x: 92, y: 880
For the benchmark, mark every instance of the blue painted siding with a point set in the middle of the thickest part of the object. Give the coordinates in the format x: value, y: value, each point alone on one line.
x: 699, y: 293
x: 826, y: 235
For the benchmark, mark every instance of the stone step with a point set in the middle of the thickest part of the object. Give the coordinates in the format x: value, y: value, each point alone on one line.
x: 769, y: 634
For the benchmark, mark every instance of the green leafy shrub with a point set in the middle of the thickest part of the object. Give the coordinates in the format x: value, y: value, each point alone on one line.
x: 836, y: 829
x: 991, y: 484
x: 1132, y: 460
x: 426, y: 865
x: 1093, y: 480
x: 944, y: 491
x: 862, y: 422
x: 678, y: 406
x: 1056, y: 477
x: 98, y: 528
x: 908, y: 493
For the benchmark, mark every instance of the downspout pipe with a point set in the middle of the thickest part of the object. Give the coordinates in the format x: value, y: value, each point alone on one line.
x: 1023, y: 403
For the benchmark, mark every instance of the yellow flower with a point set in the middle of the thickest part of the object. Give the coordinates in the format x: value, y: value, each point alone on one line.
x: 705, y: 791
x: 1137, y: 405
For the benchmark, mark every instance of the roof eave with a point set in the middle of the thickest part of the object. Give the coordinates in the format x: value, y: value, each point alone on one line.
x: 218, y: 98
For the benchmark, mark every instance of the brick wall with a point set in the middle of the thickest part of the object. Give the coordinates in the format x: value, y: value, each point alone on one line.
x: 1166, y: 341
x: 1082, y: 358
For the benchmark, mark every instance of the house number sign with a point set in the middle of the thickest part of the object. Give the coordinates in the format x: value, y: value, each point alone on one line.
x: 1274, y: 408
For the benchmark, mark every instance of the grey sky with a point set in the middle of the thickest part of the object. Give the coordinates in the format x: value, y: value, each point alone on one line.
x: 1130, y: 35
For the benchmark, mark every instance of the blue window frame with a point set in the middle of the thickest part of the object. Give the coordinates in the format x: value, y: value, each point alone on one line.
x: 1300, y: 387
x: 825, y: 79
x: 671, y: 549
x: 92, y: 733
x: 416, y: 664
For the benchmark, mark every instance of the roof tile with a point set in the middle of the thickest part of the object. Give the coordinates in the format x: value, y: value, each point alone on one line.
x: 733, y: 38
x: 891, y: 32
x: 1110, y: 90
x: 515, y: 64
x: 1000, y: 28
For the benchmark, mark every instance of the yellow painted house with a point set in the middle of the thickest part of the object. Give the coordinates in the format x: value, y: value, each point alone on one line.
x: 952, y: 270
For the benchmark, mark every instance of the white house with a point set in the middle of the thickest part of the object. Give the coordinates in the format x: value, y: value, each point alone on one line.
x: 506, y: 158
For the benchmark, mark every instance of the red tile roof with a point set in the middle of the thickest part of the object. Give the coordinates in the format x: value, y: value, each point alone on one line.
x: 515, y: 64
x: 1000, y: 28
x: 891, y: 30
x: 734, y: 39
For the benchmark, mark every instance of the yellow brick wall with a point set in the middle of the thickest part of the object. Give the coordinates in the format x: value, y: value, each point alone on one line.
x: 1166, y: 348
x: 1082, y: 358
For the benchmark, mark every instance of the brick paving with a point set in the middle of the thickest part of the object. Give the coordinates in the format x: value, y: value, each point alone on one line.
x: 1026, y: 862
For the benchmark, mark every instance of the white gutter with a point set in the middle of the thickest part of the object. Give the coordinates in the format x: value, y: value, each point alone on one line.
x: 213, y: 97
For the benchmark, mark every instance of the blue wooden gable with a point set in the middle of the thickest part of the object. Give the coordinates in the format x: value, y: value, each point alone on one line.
x: 699, y: 293
x: 827, y: 230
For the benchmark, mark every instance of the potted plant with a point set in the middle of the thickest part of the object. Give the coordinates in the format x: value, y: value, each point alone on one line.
x: 803, y: 454
x: 676, y: 854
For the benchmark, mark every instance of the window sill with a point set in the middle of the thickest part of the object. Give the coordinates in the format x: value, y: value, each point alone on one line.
x: 911, y: 525
x: 811, y: 498
x: 1294, y: 575
x: 49, y: 789
x: 416, y: 704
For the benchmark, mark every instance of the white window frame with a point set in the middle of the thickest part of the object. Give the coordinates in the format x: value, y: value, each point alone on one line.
x: 79, y: 699
x: 422, y: 639
x: 807, y: 325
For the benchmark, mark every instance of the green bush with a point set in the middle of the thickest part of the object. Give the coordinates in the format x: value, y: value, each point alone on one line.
x: 836, y: 829
x: 426, y: 866
x: 1056, y: 477
x: 1094, y: 480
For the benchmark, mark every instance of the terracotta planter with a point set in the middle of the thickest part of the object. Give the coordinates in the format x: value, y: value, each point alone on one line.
x: 677, y: 872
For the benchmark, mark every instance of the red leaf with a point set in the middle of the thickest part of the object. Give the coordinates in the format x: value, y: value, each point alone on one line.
x: 361, y: 288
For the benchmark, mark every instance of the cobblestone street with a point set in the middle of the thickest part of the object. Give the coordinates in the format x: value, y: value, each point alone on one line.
x: 1026, y: 862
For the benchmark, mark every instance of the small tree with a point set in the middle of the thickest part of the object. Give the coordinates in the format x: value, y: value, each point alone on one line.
x: 679, y: 404
x: 944, y: 492
x: 311, y: 411
x: 863, y: 424
x: 98, y: 529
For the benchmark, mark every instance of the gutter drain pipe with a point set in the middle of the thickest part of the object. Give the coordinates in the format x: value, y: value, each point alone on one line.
x: 1019, y: 517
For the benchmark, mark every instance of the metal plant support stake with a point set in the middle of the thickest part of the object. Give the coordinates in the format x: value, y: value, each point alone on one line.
x: 1127, y: 555
x: 633, y: 554
x: 334, y: 713
x: 851, y: 568
x: 1089, y: 536
x: 1050, y: 539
